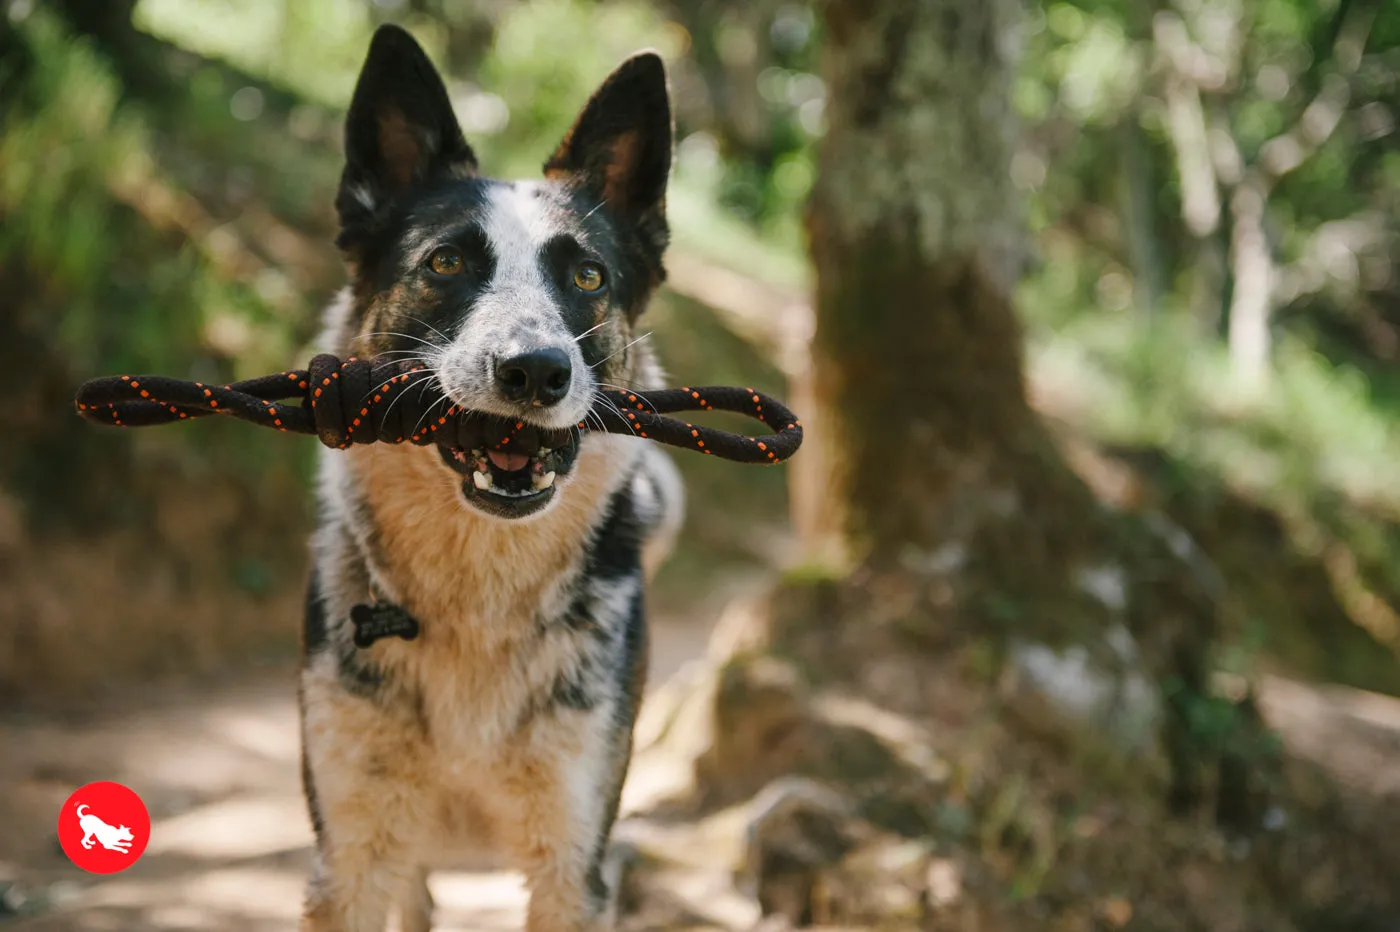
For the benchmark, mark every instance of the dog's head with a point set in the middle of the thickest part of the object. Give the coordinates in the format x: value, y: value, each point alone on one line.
x: 519, y: 297
x: 123, y: 833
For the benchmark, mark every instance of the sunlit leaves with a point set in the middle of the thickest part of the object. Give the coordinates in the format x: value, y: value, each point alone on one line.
x: 1099, y: 72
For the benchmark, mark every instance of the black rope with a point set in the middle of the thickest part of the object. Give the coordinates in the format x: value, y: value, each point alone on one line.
x: 369, y: 401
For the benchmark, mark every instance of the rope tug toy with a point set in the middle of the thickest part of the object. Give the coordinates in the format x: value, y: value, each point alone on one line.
x: 368, y: 401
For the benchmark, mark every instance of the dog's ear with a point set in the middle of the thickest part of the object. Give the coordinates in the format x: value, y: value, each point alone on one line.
x: 620, y: 146
x: 400, y: 132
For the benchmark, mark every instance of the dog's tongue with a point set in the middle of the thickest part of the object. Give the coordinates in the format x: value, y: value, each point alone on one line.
x: 508, y: 462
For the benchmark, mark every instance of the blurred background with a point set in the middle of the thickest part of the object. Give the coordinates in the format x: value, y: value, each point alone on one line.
x: 1178, y: 378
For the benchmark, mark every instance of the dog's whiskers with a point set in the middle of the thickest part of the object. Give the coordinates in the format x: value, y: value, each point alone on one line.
x: 409, y: 357
x: 608, y: 402
x: 590, y: 330
x: 397, y: 356
x: 592, y: 418
x: 633, y: 391
x: 596, y: 208
x: 445, y: 338
x: 424, y: 376
x: 623, y: 350
x: 427, y: 413
x: 408, y: 336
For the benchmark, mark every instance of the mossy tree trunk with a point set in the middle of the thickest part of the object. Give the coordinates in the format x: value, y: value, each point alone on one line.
x: 916, y: 235
x: 941, y: 474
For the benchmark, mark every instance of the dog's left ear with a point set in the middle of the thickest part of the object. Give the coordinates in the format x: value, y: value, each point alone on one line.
x: 620, y: 146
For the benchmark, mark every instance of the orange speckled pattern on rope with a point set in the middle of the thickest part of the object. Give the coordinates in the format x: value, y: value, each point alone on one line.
x: 372, y: 401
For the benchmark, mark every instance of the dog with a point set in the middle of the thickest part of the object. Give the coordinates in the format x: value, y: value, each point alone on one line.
x: 116, y: 838
x: 505, y: 725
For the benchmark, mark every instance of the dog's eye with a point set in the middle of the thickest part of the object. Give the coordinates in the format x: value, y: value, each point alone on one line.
x: 589, y: 276
x: 446, y: 260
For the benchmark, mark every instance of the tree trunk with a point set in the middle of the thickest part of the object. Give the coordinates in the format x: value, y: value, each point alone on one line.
x: 1139, y: 192
x: 1252, y: 267
x: 916, y: 238
x: 960, y: 515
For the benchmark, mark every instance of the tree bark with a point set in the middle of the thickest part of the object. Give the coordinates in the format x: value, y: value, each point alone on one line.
x: 941, y: 474
x: 1139, y: 191
x: 916, y: 238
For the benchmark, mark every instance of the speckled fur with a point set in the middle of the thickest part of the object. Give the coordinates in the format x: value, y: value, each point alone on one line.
x: 504, y: 729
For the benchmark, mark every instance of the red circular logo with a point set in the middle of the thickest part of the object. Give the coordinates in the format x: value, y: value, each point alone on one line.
x: 104, y: 827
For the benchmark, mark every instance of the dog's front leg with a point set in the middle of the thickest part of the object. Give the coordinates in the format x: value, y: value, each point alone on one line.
x: 566, y: 791
x: 416, y: 904
x: 363, y: 780
x: 352, y: 887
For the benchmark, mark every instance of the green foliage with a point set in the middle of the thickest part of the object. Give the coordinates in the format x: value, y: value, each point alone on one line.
x: 1126, y: 310
x: 313, y: 47
x: 64, y: 147
x: 92, y: 218
x: 1217, y: 726
x: 1099, y: 71
x: 1317, y: 449
x: 105, y: 277
x: 117, y: 221
x: 542, y: 76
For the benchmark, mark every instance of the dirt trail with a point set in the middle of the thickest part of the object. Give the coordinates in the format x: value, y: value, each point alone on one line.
x: 218, y: 767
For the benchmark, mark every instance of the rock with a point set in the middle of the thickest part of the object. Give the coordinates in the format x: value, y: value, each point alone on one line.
x: 797, y: 829
x: 943, y: 884
x: 760, y: 729
x: 12, y: 900
x: 882, y: 882
x: 1109, y: 696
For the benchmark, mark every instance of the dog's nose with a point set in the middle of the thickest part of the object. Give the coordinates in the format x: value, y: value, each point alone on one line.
x: 541, y: 376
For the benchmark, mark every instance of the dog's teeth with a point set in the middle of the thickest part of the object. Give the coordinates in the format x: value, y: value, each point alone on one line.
x: 482, y: 480
x: 543, y: 482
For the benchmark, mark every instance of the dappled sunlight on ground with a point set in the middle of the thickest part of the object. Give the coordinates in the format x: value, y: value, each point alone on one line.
x: 218, y: 768
x: 230, y: 840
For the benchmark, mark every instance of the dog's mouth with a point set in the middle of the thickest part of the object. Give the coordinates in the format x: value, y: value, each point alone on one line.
x: 516, y: 478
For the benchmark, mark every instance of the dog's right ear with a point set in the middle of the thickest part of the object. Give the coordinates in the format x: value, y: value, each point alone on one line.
x: 400, y: 132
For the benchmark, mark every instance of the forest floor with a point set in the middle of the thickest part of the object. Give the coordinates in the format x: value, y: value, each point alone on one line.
x: 217, y: 765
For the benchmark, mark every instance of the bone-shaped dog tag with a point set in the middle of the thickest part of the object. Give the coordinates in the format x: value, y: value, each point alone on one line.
x: 381, y: 620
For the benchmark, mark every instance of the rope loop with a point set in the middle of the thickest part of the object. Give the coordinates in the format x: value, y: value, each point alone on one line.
x: 361, y: 401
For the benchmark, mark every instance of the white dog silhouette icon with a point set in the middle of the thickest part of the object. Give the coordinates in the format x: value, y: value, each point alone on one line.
x: 112, y: 837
